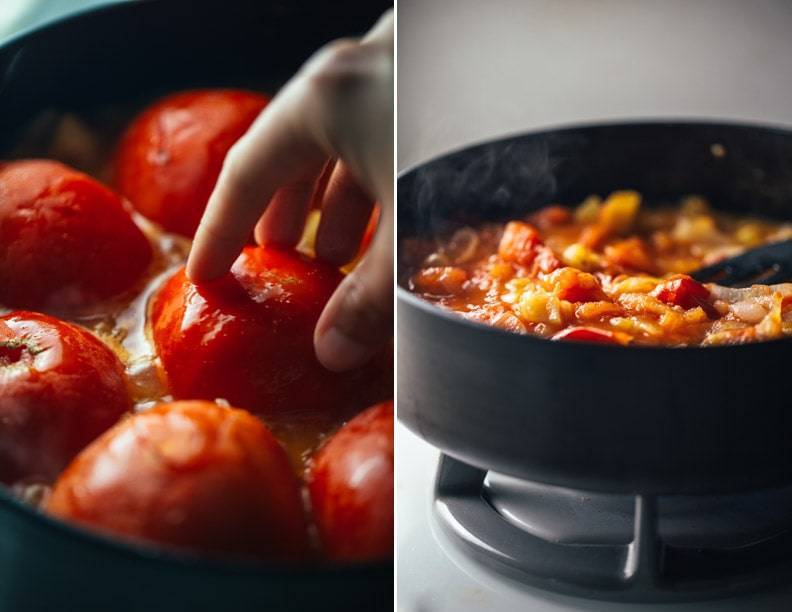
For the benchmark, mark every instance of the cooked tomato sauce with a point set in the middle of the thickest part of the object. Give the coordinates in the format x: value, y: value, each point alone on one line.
x: 138, y: 404
x: 609, y: 271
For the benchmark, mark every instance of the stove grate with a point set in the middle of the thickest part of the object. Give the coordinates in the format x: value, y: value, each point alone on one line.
x: 618, y: 547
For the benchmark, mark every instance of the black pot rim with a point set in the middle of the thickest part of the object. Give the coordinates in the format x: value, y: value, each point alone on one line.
x: 78, y: 14
x: 184, y: 559
x: 571, y: 126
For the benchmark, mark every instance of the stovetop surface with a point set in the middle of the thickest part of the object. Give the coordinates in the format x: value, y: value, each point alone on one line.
x: 435, y: 576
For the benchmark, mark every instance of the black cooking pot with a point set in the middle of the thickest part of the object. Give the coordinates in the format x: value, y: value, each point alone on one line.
x: 595, y: 417
x: 109, y: 57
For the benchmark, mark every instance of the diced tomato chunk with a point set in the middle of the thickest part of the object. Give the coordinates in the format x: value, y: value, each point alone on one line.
x: 586, y: 334
x: 440, y: 280
x: 545, y: 261
x: 593, y: 236
x: 631, y: 253
x: 575, y: 286
x: 683, y: 291
x: 519, y: 243
x: 522, y: 245
x: 6, y: 333
x: 551, y: 216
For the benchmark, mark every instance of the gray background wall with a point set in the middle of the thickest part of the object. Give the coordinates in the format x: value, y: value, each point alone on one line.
x: 472, y: 69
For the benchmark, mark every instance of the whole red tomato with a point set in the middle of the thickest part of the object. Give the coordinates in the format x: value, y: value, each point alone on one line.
x: 190, y: 475
x: 248, y: 338
x: 60, y: 387
x: 171, y: 155
x: 351, y: 487
x: 66, y: 241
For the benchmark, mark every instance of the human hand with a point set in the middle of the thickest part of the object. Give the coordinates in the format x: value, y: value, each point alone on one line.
x: 338, y: 106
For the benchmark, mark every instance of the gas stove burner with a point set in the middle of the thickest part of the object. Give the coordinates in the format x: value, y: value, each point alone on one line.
x: 618, y: 547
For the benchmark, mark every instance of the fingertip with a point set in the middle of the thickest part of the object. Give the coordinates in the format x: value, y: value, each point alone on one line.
x: 206, y: 263
x: 346, y: 211
x: 338, y: 352
x: 198, y: 271
x: 195, y: 270
x: 275, y: 229
x: 336, y: 253
x: 356, y: 323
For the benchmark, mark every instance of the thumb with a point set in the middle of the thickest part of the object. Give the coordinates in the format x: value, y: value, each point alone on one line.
x: 358, y: 320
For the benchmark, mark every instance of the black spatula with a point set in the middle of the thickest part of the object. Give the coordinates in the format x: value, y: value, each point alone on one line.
x: 766, y: 265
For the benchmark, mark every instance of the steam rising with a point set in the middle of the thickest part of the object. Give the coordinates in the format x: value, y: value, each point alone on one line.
x: 488, y: 182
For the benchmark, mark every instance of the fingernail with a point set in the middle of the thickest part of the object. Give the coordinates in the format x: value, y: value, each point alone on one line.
x: 338, y: 352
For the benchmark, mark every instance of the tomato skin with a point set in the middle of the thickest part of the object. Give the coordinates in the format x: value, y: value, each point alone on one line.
x: 191, y: 475
x: 60, y: 387
x: 586, y: 334
x: 351, y: 487
x: 248, y: 338
x: 170, y: 157
x: 682, y: 290
x: 66, y: 241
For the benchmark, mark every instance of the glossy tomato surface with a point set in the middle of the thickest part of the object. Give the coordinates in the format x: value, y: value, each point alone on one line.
x: 170, y: 157
x: 66, y: 241
x: 248, y: 338
x: 351, y: 487
x: 193, y: 475
x: 60, y: 387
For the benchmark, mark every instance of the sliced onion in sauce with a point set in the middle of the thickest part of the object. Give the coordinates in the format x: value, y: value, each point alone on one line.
x: 463, y: 245
x: 749, y: 311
